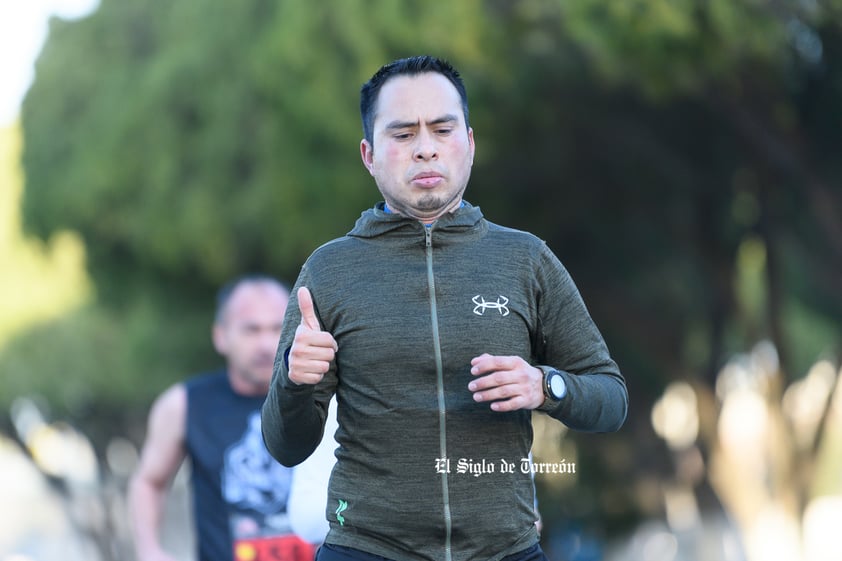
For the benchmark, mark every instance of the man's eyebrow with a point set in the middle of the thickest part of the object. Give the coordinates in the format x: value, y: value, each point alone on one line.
x: 395, y: 125
x: 449, y: 118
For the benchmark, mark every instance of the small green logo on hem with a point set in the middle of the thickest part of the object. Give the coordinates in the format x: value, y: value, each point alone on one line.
x: 342, y: 506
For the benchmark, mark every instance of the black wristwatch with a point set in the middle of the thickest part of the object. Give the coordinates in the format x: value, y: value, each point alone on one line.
x: 554, y: 386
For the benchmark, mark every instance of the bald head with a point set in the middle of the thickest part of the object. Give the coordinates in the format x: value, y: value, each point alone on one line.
x: 247, y: 327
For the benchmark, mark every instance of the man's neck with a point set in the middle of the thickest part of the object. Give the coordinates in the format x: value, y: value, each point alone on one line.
x: 427, y: 221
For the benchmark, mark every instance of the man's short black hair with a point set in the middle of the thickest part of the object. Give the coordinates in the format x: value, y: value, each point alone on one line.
x: 411, y: 66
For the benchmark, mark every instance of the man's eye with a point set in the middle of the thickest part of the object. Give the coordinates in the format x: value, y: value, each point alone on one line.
x: 403, y: 136
x: 444, y: 131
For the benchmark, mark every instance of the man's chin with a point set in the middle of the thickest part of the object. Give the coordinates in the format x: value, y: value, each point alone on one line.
x: 260, y: 376
x: 431, y: 208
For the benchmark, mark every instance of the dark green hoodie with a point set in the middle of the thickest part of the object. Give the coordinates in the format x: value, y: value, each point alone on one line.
x: 409, y: 307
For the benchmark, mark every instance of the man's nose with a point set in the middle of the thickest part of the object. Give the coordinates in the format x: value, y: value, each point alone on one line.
x: 269, y: 339
x: 425, y: 147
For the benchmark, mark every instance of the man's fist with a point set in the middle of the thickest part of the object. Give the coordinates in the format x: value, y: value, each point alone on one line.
x: 508, y: 382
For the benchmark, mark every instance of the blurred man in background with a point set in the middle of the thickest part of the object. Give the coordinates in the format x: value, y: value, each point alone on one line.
x: 239, y: 491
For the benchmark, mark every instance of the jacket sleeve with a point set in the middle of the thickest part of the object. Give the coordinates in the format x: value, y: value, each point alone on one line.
x: 569, y: 341
x: 293, y: 416
x: 308, y: 491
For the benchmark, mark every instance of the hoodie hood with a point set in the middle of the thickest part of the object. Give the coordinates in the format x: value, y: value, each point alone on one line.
x: 376, y: 221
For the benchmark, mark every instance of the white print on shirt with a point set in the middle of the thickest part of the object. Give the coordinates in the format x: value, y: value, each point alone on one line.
x: 481, y: 305
x: 251, y: 478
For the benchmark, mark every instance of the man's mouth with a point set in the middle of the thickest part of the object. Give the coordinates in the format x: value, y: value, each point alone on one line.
x: 427, y: 179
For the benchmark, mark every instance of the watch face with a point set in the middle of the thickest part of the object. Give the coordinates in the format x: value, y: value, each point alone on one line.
x: 557, y: 385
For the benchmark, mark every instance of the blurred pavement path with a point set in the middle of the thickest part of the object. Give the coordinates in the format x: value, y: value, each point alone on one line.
x: 33, y: 522
x: 36, y: 521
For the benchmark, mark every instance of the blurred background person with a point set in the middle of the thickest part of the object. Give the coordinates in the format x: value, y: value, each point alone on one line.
x: 239, y: 493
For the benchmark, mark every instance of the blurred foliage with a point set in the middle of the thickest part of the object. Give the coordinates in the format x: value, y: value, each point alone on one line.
x: 41, y: 280
x: 681, y: 157
x: 674, y: 47
x: 217, y: 142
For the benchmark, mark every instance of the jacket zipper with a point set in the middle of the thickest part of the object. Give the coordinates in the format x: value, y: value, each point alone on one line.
x: 428, y: 233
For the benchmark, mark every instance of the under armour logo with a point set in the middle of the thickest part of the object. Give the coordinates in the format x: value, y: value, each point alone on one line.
x: 482, y: 305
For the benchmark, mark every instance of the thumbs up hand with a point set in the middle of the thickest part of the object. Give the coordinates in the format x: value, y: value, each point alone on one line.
x: 312, y: 349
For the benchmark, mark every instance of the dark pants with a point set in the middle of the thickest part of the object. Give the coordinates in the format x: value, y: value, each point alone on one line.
x: 330, y: 552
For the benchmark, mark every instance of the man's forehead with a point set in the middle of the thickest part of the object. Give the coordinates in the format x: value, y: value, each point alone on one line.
x: 431, y: 93
x: 250, y: 299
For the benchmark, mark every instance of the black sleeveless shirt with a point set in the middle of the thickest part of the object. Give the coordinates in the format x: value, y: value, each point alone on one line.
x: 239, y: 491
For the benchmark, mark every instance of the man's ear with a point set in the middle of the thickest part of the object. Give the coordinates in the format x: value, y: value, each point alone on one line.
x: 367, y: 154
x: 220, y: 342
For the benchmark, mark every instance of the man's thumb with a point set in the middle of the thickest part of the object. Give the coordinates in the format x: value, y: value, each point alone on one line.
x: 308, y: 312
